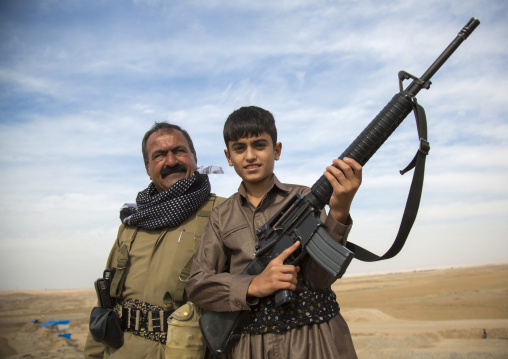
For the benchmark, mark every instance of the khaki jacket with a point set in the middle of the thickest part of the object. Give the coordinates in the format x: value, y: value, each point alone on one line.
x: 156, y: 259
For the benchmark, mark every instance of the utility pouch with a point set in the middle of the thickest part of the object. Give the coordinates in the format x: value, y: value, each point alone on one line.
x: 184, y: 338
x: 105, y: 327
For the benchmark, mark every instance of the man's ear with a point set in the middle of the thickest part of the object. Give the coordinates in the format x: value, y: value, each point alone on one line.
x: 147, y: 171
x: 277, y: 150
x: 228, y: 157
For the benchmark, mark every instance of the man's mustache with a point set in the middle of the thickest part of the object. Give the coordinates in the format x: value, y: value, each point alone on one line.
x: 166, y: 171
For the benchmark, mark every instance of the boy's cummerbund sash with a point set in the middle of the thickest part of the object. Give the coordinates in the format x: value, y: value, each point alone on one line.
x: 308, y: 308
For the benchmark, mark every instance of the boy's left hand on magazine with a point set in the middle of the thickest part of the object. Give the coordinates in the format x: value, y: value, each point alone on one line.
x: 345, y: 183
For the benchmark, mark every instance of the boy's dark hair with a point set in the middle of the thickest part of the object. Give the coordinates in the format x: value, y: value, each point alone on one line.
x: 164, y: 127
x: 249, y: 121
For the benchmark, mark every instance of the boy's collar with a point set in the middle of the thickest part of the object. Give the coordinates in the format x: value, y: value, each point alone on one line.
x: 274, y: 182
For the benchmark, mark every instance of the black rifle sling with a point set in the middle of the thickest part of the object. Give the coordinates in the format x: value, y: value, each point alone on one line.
x: 413, y: 200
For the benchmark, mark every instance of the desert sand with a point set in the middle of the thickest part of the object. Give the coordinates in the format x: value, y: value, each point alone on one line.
x: 421, y: 314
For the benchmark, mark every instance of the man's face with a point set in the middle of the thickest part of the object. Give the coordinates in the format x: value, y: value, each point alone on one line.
x: 169, y: 158
x: 253, y: 157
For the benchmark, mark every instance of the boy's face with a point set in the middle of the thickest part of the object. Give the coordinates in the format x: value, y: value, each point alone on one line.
x: 253, y: 157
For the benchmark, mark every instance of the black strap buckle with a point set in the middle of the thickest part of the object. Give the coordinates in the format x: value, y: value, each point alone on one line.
x: 424, y: 146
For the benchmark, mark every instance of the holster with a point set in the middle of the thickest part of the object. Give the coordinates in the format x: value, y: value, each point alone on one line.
x: 105, y: 324
x: 105, y: 327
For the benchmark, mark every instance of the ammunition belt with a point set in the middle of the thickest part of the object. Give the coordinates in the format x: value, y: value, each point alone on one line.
x: 143, y: 319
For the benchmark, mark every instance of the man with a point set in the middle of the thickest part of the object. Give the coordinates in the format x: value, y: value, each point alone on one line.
x: 154, y: 249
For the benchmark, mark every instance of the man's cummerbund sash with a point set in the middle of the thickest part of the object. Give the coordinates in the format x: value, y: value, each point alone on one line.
x: 144, y: 319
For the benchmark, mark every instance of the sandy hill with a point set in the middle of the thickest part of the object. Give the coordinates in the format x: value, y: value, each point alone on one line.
x: 424, y: 314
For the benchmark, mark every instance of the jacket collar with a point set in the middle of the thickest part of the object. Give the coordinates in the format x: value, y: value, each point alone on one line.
x: 273, y: 186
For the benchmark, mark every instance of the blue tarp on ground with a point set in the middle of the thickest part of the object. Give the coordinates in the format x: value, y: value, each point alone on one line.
x: 65, y: 335
x: 54, y: 322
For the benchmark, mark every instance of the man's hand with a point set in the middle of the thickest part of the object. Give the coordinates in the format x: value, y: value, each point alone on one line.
x: 345, y: 183
x: 275, y: 276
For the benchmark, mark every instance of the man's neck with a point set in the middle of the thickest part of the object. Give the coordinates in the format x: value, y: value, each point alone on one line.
x: 257, y: 191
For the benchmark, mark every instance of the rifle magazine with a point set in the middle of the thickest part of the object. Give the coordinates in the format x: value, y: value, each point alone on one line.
x: 330, y: 255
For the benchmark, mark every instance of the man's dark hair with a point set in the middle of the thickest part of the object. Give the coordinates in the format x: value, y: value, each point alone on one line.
x: 249, y: 121
x: 162, y: 127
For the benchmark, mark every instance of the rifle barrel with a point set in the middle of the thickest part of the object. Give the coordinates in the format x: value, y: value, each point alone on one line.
x: 390, y: 117
x: 463, y: 34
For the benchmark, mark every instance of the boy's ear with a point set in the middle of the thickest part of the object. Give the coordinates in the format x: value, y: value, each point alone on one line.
x: 277, y: 150
x: 228, y: 157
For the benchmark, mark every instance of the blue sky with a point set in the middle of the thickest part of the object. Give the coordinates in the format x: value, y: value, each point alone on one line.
x: 82, y: 81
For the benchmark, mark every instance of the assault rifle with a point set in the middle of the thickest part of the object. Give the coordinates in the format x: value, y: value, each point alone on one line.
x: 298, y: 219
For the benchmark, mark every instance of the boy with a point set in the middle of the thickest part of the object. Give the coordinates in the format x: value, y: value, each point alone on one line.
x: 311, y: 326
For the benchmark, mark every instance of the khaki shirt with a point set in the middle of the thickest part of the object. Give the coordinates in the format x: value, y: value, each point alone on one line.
x: 156, y: 258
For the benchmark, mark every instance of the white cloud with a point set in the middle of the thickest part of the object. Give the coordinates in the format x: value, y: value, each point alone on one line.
x: 81, y: 83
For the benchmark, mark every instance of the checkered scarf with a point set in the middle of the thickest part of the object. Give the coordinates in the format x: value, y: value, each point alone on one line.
x: 168, y: 208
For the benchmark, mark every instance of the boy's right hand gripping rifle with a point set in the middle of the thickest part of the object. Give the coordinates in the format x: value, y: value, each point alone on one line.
x: 299, y: 219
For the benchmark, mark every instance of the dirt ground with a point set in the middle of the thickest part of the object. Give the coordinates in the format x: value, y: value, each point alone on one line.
x: 428, y: 314
x: 424, y: 314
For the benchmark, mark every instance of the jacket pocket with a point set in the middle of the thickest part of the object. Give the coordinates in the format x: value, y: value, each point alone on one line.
x: 184, y: 339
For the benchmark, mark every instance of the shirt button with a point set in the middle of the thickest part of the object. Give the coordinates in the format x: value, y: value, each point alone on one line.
x: 239, y: 305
